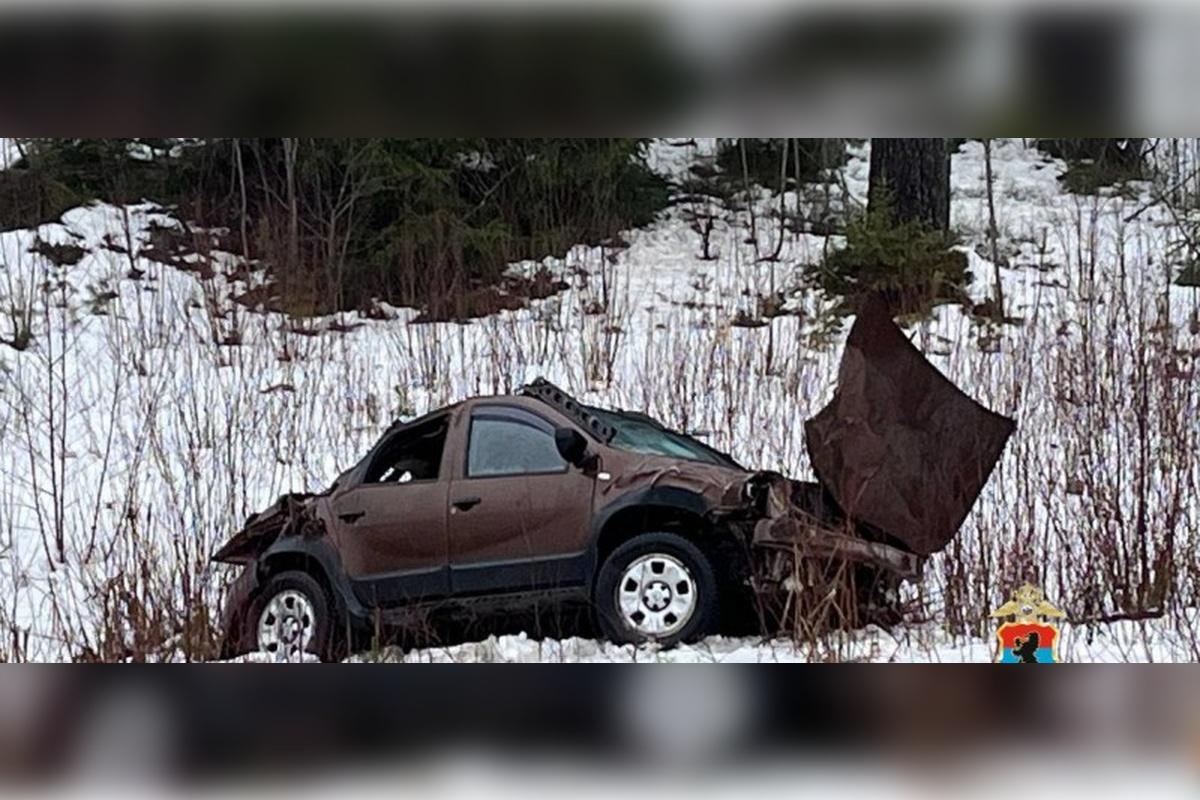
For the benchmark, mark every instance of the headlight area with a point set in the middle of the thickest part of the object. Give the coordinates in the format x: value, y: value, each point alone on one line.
x: 756, y: 492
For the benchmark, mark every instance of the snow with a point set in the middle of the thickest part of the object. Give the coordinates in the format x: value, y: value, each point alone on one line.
x: 9, y: 153
x: 1115, y: 643
x: 132, y: 442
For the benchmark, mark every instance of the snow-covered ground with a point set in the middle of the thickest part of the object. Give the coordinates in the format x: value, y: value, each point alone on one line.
x: 1111, y: 643
x: 151, y: 414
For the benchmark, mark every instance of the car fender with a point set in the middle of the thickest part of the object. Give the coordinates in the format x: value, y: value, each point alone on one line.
x: 318, y: 550
x: 660, y: 497
x: 673, y: 497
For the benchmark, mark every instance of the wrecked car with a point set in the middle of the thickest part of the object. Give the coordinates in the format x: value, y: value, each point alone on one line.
x: 535, y: 497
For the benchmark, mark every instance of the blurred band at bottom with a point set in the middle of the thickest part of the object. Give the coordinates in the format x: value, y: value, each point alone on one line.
x: 194, y: 726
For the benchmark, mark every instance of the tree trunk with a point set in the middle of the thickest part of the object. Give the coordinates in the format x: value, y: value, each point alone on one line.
x: 914, y: 177
x: 993, y: 230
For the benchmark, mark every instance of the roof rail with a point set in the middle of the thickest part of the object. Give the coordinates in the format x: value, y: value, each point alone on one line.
x: 555, y: 397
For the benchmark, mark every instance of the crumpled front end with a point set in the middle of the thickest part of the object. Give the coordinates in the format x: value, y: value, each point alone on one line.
x: 771, y: 512
x: 901, y: 455
x: 802, y: 520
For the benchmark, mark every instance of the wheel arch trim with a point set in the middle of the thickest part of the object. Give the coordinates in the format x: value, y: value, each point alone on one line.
x: 317, y: 557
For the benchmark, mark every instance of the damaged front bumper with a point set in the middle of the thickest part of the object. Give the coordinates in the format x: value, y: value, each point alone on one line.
x: 800, y: 520
x: 799, y: 535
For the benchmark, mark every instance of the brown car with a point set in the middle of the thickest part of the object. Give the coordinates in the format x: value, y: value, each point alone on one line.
x: 535, y: 497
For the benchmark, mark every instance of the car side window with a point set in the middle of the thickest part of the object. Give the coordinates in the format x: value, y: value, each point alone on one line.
x: 415, y: 455
x: 509, y: 441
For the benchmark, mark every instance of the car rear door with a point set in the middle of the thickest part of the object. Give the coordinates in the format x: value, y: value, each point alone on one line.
x: 519, y: 515
x: 390, y: 525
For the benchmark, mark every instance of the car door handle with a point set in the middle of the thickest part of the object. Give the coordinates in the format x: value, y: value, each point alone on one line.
x: 466, y: 503
x: 352, y: 516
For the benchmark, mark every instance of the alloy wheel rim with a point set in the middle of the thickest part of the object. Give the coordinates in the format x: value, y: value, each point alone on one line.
x: 286, y: 626
x: 656, y: 595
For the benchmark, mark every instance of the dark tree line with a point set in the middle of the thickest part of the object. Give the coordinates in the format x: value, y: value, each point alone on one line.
x: 344, y: 221
x: 426, y: 222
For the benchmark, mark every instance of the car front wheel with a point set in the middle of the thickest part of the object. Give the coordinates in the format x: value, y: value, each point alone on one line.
x: 656, y: 587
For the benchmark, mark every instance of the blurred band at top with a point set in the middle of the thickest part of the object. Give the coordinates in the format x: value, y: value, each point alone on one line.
x: 746, y: 69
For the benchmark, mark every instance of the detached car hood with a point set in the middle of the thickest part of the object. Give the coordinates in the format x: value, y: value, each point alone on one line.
x: 900, y: 447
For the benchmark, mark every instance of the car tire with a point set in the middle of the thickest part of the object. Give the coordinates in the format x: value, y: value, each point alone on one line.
x: 290, y: 620
x: 656, y: 587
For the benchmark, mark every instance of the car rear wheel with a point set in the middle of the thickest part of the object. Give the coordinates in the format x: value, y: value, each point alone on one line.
x: 656, y: 587
x: 289, y: 620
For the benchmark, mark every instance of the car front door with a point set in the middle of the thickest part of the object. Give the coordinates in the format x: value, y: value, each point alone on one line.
x: 519, y: 515
x: 390, y: 524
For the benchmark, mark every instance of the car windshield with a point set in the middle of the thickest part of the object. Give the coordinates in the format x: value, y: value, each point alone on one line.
x: 643, y: 435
